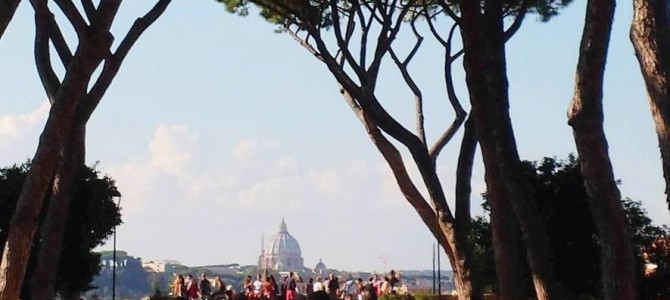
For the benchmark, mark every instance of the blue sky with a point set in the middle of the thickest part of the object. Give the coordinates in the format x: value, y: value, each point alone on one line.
x: 216, y: 128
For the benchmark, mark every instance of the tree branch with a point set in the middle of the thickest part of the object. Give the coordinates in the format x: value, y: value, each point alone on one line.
x: 450, y: 12
x: 304, y: 44
x: 453, y: 99
x: 418, y: 97
x: 464, y: 173
x: 7, y: 11
x: 113, y: 63
x: 384, y: 43
x: 45, y: 70
x: 74, y: 17
x: 89, y: 9
x: 63, y: 50
x: 394, y: 160
x: 337, y: 31
x: 517, y: 21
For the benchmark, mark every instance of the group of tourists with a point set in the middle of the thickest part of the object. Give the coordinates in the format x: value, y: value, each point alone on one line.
x: 291, y: 287
x: 203, y: 289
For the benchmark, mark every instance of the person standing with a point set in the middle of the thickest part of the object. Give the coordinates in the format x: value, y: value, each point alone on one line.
x: 179, y: 287
x: 318, y: 285
x: 192, y: 291
x: 309, y: 288
x: 333, y: 286
x: 290, y: 287
x: 204, y: 287
x: 269, y: 292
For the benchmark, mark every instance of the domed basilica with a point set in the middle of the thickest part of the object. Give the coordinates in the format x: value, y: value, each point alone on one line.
x: 283, y: 252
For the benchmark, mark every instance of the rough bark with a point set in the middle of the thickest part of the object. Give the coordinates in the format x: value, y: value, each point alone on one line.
x: 486, y: 78
x: 586, y: 118
x: 650, y: 34
x: 7, y: 10
x: 49, y: 152
x: 46, y: 269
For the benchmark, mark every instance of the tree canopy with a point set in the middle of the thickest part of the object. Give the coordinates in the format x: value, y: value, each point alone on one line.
x: 93, y: 216
x: 562, y: 201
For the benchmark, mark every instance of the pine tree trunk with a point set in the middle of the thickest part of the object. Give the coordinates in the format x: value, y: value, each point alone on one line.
x: 485, y: 67
x: 57, y: 130
x: 42, y: 283
x: 586, y: 118
x: 7, y: 10
x: 650, y: 34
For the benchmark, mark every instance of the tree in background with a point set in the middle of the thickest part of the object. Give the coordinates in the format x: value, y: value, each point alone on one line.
x: 563, y: 204
x: 93, y: 218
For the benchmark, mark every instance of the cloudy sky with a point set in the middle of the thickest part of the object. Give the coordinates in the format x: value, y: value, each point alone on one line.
x: 216, y: 128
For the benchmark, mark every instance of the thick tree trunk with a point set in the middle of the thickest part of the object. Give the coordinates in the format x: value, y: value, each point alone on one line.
x: 485, y: 67
x: 7, y: 10
x: 57, y: 130
x: 650, y: 34
x: 586, y: 118
x: 510, y: 285
x: 42, y: 283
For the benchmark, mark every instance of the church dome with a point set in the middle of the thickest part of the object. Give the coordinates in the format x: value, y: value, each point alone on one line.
x: 320, y: 267
x: 283, y: 243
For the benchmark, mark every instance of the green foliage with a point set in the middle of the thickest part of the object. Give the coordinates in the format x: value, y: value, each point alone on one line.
x: 563, y: 204
x: 398, y: 297
x: 93, y: 216
x: 318, y: 12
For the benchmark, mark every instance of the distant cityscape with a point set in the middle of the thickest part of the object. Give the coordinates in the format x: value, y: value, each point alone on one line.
x: 136, y: 278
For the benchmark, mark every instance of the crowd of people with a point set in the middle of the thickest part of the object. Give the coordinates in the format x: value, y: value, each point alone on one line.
x: 291, y: 287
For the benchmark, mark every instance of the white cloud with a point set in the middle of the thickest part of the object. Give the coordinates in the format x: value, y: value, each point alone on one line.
x: 172, y: 149
x: 246, y: 192
x: 19, y: 134
x: 13, y: 126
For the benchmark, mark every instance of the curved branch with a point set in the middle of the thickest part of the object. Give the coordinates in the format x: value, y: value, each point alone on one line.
x: 437, y: 35
x: 337, y: 31
x: 113, y: 63
x: 395, y: 162
x: 453, y: 99
x: 517, y: 21
x: 418, y: 96
x: 450, y: 12
x: 384, y: 43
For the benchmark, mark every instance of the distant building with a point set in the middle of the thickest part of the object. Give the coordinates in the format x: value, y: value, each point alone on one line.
x: 283, y: 252
x: 158, y: 266
x: 320, y: 268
